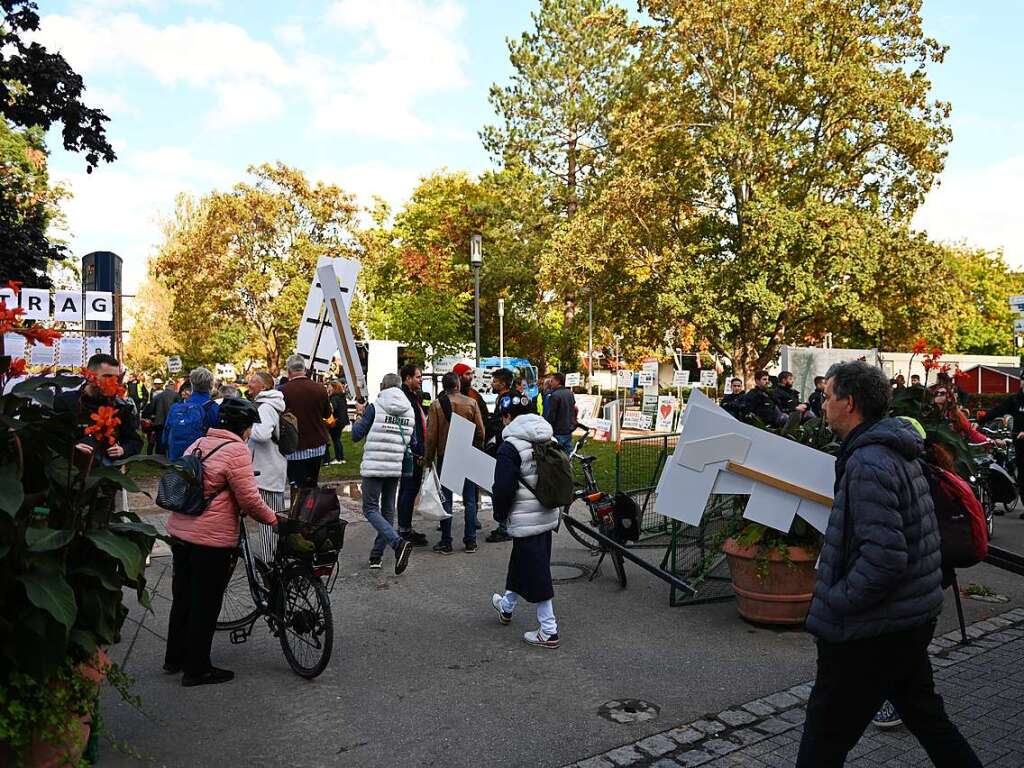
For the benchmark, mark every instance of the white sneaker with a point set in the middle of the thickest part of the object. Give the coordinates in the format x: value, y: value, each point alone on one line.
x: 540, y: 640
x: 504, y: 618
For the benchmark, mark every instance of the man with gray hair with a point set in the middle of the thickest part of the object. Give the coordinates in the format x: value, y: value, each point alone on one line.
x: 307, y: 400
x: 387, y: 425
x: 188, y: 421
x: 878, y: 590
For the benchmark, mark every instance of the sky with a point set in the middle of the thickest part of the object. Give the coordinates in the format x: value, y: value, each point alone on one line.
x: 375, y: 94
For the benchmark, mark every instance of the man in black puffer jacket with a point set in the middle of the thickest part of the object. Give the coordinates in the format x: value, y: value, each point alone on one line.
x: 878, y: 589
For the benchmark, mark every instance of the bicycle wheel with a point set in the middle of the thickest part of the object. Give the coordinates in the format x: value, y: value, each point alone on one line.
x: 237, y: 610
x: 580, y: 512
x: 307, y: 624
x: 620, y: 567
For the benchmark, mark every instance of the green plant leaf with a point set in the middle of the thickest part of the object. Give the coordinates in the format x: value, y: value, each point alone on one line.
x: 135, y: 527
x: 113, y: 476
x: 100, y: 614
x: 104, y: 571
x: 11, y: 492
x: 46, y: 539
x: 51, y: 593
x: 84, y: 640
x: 121, y: 548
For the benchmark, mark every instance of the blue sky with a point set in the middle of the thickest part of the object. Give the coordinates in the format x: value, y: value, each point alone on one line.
x: 374, y: 94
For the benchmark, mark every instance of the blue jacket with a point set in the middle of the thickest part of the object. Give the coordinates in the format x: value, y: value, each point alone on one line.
x: 880, y: 564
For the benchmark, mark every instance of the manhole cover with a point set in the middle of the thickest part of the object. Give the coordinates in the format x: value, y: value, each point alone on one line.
x: 562, y: 572
x: 628, y: 710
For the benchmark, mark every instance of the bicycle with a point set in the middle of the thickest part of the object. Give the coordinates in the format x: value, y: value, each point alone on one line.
x: 600, y: 515
x: 289, y: 593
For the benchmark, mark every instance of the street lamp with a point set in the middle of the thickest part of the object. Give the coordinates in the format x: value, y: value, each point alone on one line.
x: 501, y: 332
x: 476, y: 260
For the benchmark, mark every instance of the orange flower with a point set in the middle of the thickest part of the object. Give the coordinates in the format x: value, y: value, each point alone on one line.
x: 17, y: 367
x: 105, y: 424
x: 9, y: 317
x: 919, y: 346
x: 110, y: 386
x: 37, y: 333
x: 929, y: 364
x: 936, y: 353
x: 15, y: 285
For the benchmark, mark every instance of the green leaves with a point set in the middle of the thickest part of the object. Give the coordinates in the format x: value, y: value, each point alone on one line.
x: 47, y: 539
x: 11, y: 492
x: 124, y: 550
x: 49, y: 591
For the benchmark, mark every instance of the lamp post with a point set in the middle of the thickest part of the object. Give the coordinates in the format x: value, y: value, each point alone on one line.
x: 501, y: 332
x: 476, y: 260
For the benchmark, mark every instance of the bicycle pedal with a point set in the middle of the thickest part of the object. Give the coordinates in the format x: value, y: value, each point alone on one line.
x: 239, y: 636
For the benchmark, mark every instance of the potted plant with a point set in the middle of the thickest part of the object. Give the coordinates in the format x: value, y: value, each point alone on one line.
x: 66, y: 553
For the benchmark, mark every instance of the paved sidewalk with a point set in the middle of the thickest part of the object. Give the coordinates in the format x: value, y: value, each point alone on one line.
x: 982, y: 684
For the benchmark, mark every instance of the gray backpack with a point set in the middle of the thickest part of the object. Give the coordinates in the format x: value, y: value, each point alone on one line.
x: 555, y: 484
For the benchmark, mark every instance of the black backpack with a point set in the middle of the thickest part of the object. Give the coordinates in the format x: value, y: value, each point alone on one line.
x: 555, y: 484
x: 181, y: 484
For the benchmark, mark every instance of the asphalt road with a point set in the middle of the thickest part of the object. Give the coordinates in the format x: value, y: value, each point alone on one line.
x: 423, y: 674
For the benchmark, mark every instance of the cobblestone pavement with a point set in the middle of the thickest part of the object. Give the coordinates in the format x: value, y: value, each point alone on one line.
x: 982, y: 684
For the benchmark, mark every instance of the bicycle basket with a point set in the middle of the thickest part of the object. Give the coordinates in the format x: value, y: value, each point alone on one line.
x: 303, y: 540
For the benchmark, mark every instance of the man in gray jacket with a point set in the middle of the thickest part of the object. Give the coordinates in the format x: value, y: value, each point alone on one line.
x: 560, y: 411
x: 878, y: 590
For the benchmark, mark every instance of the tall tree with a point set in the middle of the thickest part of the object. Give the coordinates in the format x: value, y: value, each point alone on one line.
x: 556, y: 108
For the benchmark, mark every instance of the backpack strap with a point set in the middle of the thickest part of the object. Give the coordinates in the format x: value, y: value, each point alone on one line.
x: 208, y: 499
x: 446, y: 405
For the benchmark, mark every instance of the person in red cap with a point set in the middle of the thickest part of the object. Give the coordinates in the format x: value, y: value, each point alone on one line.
x: 465, y: 374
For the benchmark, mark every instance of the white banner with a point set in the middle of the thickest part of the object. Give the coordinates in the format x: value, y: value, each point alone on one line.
x: 99, y: 305
x: 36, y: 303
x: 97, y: 345
x: 67, y: 306
x: 14, y: 345
x: 41, y: 355
x: 70, y: 352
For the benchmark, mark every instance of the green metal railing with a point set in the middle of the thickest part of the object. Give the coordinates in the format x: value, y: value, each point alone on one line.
x: 639, y: 462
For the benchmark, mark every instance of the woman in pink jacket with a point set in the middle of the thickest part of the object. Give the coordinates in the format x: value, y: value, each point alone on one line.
x: 203, y: 546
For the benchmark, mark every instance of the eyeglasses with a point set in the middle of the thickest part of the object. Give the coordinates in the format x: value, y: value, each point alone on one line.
x: 940, y: 393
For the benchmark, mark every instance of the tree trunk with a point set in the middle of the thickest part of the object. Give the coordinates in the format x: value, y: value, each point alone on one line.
x: 571, y: 201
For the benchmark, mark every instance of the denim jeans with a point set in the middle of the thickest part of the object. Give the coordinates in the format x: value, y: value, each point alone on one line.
x: 379, y: 510
x: 565, y: 441
x: 469, y: 502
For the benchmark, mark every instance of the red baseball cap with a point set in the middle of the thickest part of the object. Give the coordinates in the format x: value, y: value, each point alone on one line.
x: 460, y: 368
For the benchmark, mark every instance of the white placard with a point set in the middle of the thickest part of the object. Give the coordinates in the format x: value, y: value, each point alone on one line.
x: 636, y: 420
x: 647, y: 378
x: 9, y: 297
x: 347, y: 271
x: 680, y: 378
x: 463, y: 460
x: 174, y: 364
x: 1018, y: 326
x: 708, y: 379
x: 14, y: 345
x: 99, y: 305
x: 337, y: 311
x: 41, y: 355
x: 70, y: 352
x: 602, y: 428
x: 625, y: 379
x: 98, y: 345
x: 665, y: 417
x: 573, y: 380
x: 36, y: 303
x: 587, y: 407
x: 67, y: 306
x: 226, y: 372
x: 1017, y: 303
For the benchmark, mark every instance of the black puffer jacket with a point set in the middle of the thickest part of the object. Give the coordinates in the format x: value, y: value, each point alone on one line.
x: 887, y: 576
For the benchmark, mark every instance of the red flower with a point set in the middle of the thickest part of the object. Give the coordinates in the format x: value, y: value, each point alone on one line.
x: 920, y: 346
x: 15, y: 285
x: 936, y: 352
x: 17, y: 367
x: 9, y: 317
x: 110, y: 386
x: 37, y: 333
x: 929, y: 364
x: 105, y: 424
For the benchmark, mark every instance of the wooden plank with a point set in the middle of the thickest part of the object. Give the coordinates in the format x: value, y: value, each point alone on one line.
x: 782, y: 485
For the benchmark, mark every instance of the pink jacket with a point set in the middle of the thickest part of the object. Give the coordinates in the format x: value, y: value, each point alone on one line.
x: 228, y: 474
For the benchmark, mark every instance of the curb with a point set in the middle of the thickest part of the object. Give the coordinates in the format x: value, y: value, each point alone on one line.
x: 743, y: 725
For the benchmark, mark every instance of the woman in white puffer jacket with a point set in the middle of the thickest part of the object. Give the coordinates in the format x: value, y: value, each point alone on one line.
x: 530, y: 523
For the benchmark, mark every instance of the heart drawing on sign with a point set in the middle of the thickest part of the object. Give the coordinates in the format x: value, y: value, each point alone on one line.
x: 665, y: 410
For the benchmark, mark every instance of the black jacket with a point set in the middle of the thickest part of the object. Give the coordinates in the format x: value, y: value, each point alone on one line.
x: 734, y: 405
x: 879, y: 570
x: 786, y: 398
x: 1008, y: 406
x: 419, y: 437
x: 761, y: 403
x: 560, y: 411
x: 81, y: 407
x: 339, y: 406
x: 816, y: 402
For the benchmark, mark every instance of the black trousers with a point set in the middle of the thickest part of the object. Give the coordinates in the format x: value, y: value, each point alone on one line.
x: 305, y: 472
x: 197, y: 590
x: 854, y: 679
x: 408, y: 488
x: 339, y: 450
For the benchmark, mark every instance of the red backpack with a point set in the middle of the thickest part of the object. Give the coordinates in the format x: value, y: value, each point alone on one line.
x: 961, y: 519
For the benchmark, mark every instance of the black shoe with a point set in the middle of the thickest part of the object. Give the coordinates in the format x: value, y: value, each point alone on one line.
x: 497, y: 535
x: 478, y: 525
x: 212, y: 676
x: 172, y: 669
x: 442, y: 548
x: 402, y: 553
x: 375, y: 561
x: 415, y: 538
x: 471, y: 547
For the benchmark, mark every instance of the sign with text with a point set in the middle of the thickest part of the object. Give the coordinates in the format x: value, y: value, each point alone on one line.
x: 636, y: 420
x: 708, y: 379
x: 624, y: 378
x: 68, y: 306
x: 665, y: 418
x: 573, y: 380
x: 174, y: 364
x: 680, y: 378
x: 1018, y: 326
x: 647, y: 378
x: 1017, y: 303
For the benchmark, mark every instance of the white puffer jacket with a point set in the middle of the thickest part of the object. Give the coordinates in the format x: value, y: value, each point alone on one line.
x: 528, y: 517
x: 390, y: 433
x: 266, y: 458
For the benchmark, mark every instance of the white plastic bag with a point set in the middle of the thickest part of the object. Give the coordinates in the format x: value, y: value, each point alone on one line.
x: 428, y: 502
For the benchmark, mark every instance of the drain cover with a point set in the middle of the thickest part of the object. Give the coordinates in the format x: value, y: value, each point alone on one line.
x: 628, y: 710
x: 562, y: 572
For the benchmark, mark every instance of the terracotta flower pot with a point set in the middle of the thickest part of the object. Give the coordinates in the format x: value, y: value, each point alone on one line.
x: 784, y: 597
x: 68, y: 750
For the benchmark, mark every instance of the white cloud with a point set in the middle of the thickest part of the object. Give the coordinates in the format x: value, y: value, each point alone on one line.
x: 365, y: 180
x: 291, y: 34
x: 242, y: 103
x: 981, y: 206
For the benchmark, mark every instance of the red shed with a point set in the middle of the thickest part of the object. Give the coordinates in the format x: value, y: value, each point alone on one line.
x: 989, y: 379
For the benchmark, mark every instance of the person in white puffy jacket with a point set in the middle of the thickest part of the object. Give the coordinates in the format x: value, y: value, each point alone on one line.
x: 529, y: 522
x: 269, y: 464
x: 387, y: 425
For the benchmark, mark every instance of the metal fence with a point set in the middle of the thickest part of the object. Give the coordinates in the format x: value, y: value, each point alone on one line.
x: 639, y: 462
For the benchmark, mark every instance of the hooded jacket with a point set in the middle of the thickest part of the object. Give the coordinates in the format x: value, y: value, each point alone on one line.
x: 879, y: 570
x: 388, y: 427
x: 227, y: 477
x: 512, y: 500
x: 267, y: 459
